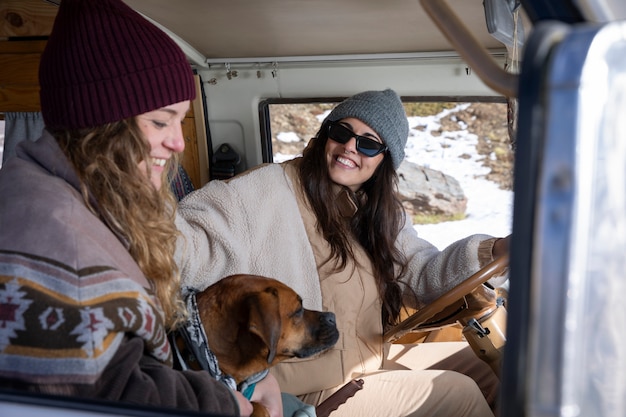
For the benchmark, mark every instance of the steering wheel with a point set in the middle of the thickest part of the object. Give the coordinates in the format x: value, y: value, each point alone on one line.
x: 456, y: 294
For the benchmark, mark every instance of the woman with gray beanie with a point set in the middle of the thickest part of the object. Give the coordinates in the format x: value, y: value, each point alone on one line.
x: 329, y: 224
x: 87, y: 271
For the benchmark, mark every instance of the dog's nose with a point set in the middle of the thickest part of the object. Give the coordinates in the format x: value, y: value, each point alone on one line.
x: 329, y: 318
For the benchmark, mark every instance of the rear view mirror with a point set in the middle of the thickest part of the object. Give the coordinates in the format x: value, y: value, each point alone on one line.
x: 503, y: 23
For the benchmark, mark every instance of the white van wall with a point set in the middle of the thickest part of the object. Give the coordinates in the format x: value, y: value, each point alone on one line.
x: 232, y: 104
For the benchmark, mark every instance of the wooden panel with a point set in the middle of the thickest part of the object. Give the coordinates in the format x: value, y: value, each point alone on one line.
x: 190, y: 155
x: 19, y: 78
x: 17, y: 46
x: 19, y: 69
x: 18, y: 99
x: 26, y: 18
x: 195, y: 157
x: 197, y: 107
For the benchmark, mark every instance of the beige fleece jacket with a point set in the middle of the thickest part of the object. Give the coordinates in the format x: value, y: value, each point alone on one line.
x: 260, y: 222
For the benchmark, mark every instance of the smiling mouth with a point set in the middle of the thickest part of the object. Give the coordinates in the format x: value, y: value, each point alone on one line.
x: 345, y: 161
x: 160, y: 162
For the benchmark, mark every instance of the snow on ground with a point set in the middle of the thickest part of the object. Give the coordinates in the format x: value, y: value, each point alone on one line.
x: 489, y: 209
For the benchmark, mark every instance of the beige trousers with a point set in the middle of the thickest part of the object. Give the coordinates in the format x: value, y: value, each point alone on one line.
x: 417, y: 381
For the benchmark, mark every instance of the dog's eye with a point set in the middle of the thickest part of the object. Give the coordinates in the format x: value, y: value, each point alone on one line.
x: 298, y: 314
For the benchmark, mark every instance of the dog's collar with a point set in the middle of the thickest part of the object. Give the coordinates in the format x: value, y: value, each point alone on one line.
x: 184, y: 358
x: 191, y: 348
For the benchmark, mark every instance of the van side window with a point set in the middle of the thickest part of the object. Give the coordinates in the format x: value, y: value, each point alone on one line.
x: 458, y: 167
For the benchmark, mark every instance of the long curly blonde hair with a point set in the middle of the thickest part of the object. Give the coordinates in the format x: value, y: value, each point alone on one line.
x: 106, y: 159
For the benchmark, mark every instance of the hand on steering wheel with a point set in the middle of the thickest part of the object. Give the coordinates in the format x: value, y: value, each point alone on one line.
x: 494, y: 268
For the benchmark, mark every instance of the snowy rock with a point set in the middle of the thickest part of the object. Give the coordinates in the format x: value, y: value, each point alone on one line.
x: 427, y: 191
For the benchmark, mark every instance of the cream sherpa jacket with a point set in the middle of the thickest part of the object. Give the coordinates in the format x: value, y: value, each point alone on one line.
x: 252, y: 224
x: 249, y: 224
x: 261, y: 223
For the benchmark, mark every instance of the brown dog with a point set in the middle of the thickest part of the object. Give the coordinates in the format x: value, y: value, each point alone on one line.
x: 254, y: 322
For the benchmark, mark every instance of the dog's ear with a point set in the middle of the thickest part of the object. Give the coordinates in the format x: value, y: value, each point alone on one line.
x: 264, y: 319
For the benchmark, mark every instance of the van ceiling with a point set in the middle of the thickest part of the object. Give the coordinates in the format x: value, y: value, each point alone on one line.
x: 283, y: 28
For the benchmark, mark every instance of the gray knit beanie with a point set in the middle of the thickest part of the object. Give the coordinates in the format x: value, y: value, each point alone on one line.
x: 383, y: 112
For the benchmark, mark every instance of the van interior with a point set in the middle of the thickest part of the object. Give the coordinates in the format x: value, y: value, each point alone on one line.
x: 557, y: 68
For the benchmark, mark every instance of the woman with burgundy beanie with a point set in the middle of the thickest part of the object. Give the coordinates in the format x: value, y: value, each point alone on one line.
x: 88, y: 235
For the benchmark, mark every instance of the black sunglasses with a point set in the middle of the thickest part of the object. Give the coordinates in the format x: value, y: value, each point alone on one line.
x: 341, y: 134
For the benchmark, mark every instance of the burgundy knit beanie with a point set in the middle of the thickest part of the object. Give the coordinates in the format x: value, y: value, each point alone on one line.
x: 104, y: 62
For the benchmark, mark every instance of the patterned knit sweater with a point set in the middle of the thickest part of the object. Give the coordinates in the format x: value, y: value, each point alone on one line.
x: 73, y: 301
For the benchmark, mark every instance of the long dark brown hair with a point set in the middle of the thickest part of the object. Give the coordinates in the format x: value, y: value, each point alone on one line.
x: 375, y: 225
x: 114, y: 188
